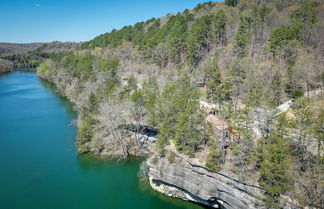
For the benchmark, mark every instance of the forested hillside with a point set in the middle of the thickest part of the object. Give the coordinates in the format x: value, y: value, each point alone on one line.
x: 244, y: 57
x: 31, y: 55
x: 11, y: 48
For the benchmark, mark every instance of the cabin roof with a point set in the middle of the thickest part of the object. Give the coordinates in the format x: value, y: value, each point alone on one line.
x: 217, y: 122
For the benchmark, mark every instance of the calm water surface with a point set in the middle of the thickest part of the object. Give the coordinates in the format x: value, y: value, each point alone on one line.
x: 39, y: 165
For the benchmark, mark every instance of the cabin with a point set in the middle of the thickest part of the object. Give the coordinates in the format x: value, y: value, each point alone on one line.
x: 223, y: 133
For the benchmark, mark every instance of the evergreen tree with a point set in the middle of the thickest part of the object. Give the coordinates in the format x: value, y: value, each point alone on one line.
x: 93, y: 103
x: 219, y: 26
x: 198, y: 42
x: 237, y: 79
x: 85, y: 66
x: 232, y: 3
x: 214, y: 159
x: 151, y: 92
x: 275, y: 164
x: 243, y: 35
x: 213, y: 83
x: 178, y: 116
x: 176, y: 44
x: 188, y: 135
x: 85, y: 133
x: 276, y: 87
x: 280, y: 37
x: 254, y: 90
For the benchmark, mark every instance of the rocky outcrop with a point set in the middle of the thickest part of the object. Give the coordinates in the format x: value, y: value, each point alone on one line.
x: 190, y: 182
x: 139, y: 140
x: 138, y: 145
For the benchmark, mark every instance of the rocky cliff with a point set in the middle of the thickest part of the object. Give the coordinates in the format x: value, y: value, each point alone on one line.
x: 185, y: 180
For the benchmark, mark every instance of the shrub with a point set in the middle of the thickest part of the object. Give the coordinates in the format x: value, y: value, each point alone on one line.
x: 85, y: 133
x: 214, y: 160
x: 171, y: 157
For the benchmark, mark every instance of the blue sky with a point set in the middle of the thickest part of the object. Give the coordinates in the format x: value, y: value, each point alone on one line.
x: 25, y: 21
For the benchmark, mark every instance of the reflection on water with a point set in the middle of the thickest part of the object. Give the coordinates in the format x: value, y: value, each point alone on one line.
x: 26, y: 70
x: 69, y: 106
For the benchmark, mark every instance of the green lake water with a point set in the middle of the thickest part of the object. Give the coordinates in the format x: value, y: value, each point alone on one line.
x: 40, y: 167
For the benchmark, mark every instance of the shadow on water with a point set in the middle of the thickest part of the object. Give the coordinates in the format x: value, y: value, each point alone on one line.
x: 144, y: 186
x: 25, y: 69
x: 69, y: 106
x: 116, y: 168
x: 5, y: 73
x: 22, y: 70
x: 90, y: 161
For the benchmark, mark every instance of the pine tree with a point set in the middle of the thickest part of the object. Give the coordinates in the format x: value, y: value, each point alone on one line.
x: 275, y: 164
x: 219, y: 26
x: 151, y: 92
x: 243, y: 35
x: 198, y: 42
x: 188, y: 132
x: 85, y: 133
x: 178, y: 116
x: 213, y: 83
x: 176, y: 44
x: 214, y: 159
x: 232, y: 3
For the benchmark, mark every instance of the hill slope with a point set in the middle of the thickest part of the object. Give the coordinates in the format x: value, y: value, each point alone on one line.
x: 243, y: 60
x: 30, y: 55
x: 13, y: 48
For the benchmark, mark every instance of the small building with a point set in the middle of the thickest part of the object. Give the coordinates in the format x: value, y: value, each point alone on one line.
x: 222, y: 132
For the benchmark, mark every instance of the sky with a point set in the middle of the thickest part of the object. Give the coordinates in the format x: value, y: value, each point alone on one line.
x: 26, y: 21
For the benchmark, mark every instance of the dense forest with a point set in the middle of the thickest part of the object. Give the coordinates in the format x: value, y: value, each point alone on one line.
x: 245, y: 57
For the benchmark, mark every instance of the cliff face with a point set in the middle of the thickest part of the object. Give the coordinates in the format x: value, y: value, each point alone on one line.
x: 187, y: 181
